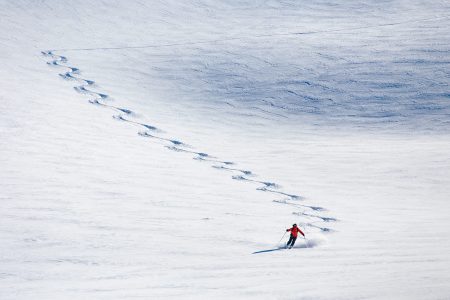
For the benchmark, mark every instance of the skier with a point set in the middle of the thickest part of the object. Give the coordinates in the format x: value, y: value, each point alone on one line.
x: 294, y: 232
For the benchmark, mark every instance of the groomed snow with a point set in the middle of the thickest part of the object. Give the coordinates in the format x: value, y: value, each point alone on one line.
x: 160, y: 149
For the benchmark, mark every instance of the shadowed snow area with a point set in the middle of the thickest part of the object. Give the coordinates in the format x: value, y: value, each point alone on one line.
x: 160, y: 149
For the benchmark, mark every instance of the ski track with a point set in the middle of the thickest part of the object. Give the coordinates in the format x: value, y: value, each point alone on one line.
x: 305, y: 212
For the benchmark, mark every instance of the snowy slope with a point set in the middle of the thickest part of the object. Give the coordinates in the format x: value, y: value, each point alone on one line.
x: 160, y: 149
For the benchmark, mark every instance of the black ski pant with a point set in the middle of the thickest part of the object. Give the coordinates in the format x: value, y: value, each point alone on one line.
x: 291, y: 241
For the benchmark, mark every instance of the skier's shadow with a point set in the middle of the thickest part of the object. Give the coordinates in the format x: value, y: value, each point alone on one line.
x: 270, y: 250
x: 300, y: 246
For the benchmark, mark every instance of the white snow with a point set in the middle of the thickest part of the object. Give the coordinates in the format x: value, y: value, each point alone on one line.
x: 340, y: 110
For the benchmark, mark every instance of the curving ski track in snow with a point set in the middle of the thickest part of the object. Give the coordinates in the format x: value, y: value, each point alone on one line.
x: 309, y: 214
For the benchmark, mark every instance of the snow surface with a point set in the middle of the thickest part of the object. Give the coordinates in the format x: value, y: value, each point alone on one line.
x: 159, y: 149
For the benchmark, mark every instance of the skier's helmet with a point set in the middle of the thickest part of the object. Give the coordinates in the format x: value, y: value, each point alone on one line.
x: 295, y: 225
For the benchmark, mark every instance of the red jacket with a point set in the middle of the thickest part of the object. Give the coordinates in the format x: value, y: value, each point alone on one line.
x: 294, y: 231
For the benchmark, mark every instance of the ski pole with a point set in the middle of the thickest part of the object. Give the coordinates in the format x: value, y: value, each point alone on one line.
x: 306, y: 241
x: 281, y: 238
